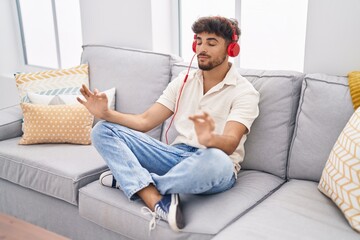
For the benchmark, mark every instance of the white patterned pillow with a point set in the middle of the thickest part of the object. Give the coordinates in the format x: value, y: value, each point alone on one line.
x: 66, y: 99
x: 52, y: 82
x: 340, y: 178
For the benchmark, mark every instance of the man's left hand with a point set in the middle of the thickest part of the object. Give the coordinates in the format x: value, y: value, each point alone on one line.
x: 204, y: 127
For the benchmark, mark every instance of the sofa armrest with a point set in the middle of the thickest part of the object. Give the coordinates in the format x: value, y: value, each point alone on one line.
x: 10, y: 122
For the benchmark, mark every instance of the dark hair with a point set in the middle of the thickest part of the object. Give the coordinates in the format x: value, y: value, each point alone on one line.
x: 218, y: 25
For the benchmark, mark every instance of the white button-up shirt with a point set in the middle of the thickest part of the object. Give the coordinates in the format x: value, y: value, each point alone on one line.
x: 233, y: 99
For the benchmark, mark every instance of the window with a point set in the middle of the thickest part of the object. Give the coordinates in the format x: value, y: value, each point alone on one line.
x: 190, y: 11
x: 51, y: 32
x: 272, y: 32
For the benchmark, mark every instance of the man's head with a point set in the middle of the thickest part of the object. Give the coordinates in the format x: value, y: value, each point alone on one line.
x: 215, y: 38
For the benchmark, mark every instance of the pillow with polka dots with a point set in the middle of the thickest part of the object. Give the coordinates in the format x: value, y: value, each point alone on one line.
x: 56, y: 124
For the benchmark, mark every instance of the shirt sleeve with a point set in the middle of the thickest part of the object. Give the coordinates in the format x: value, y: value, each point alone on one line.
x: 169, y: 95
x: 245, y: 108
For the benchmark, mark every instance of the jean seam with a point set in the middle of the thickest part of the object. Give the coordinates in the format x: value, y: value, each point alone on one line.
x: 114, y: 129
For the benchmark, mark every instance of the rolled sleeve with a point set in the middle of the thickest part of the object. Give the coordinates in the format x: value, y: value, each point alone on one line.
x: 245, y: 109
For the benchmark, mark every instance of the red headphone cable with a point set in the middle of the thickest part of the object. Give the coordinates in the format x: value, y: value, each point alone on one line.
x: 178, y: 100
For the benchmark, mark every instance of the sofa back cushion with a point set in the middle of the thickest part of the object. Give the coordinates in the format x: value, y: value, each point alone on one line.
x: 324, y: 109
x: 267, y: 145
x: 138, y: 76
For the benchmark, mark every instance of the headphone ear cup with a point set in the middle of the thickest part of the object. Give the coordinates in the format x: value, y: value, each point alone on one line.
x: 194, y: 43
x: 194, y: 46
x: 233, y: 49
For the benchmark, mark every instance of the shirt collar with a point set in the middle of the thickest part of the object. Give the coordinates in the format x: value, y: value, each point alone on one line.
x: 230, y: 77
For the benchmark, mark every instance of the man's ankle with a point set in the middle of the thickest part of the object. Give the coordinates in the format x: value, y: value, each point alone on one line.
x: 150, y: 195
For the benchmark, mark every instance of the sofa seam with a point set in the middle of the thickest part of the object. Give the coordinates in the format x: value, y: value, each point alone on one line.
x: 302, y: 97
x: 88, y: 219
x: 293, y: 111
x: 128, y: 49
x: 9, y: 107
x: 73, y: 193
x: 42, y: 192
x: 111, y: 205
x: 47, y: 171
x: 252, y: 206
x: 328, y: 82
x: 124, y: 209
x: 9, y: 123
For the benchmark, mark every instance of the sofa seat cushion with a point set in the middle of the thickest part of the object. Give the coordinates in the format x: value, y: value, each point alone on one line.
x: 296, y: 211
x: 57, y: 170
x: 111, y: 209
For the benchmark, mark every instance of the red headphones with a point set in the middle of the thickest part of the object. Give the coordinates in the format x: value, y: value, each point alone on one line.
x: 233, y: 49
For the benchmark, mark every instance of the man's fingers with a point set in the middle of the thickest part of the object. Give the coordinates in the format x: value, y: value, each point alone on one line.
x: 80, y: 100
x: 86, y: 92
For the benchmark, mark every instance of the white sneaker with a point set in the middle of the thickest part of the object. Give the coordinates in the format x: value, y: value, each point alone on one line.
x: 107, y: 179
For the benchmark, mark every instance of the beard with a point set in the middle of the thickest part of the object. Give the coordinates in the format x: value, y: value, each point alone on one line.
x: 211, y: 64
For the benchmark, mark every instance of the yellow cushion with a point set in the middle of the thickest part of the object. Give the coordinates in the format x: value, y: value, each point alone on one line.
x: 52, y: 82
x: 354, y: 85
x: 56, y: 124
x: 340, y: 178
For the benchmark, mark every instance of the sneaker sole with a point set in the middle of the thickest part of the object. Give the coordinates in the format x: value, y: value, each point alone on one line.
x: 175, y: 217
x: 105, y: 175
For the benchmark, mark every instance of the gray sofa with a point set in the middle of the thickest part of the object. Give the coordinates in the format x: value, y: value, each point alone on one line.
x: 276, y: 197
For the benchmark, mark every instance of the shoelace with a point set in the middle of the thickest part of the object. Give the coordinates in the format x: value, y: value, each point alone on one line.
x: 161, y: 213
x: 154, y: 220
x: 158, y: 214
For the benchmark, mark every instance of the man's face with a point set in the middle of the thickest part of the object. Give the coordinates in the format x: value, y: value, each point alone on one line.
x: 210, y: 50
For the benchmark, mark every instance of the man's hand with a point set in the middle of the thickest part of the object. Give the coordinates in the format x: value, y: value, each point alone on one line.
x: 204, y: 127
x: 96, y: 102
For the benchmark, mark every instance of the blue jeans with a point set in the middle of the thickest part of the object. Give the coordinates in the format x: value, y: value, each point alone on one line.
x: 137, y: 160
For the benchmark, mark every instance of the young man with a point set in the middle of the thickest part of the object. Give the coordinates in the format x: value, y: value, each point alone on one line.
x: 212, y: 117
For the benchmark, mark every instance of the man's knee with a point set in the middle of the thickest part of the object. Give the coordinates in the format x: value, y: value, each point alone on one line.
x: 104, y: 130
x: 98, y: 131
x: 217, y: 160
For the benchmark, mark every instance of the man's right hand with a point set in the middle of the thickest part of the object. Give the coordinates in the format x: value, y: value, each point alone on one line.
x: 96, y: 102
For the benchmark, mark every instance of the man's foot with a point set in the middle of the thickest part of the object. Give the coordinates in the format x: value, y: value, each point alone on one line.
x: 107, y: 179
x: 168, y: 209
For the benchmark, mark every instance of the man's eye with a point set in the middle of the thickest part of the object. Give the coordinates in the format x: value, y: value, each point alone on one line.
x: 199, y: 43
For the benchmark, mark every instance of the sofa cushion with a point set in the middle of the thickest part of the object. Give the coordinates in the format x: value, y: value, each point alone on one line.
x: 10, y: 122
x: 52, y: 82
x: 110, y: 208
x: 56, y: 124
x: 138, y: 83
x: 57, y: 170
x: 267, y: 145
x: 340, y: 179
x: 296, y: 211
x: 324, y: 109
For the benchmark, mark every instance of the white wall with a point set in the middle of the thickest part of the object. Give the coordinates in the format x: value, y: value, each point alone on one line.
x: 117, y: 22
x: 9, y: 45
x: 165, y: 31
x: 333, y: 37
x: 10, y: 52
